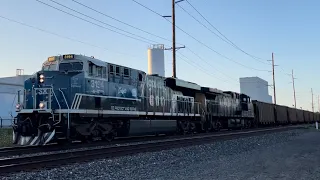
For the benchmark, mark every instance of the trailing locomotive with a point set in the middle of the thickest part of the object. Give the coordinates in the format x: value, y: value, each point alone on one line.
x: 76, y: 97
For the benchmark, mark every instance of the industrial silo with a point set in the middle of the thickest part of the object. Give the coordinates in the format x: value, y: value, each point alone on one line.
x: 156, y: 60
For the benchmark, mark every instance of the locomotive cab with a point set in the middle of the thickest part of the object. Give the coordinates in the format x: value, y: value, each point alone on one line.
x: 44, y: 93
x: 244, y: 100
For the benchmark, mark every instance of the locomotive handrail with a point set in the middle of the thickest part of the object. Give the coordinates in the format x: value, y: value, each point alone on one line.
x: 64, y: 97
x: 24, y: 99
x: 54, y: 94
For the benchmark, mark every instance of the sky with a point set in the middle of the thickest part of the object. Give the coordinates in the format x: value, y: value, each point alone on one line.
x: 289, y: 29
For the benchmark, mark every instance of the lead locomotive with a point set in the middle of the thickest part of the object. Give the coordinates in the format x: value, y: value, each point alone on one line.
x: 75, y: 97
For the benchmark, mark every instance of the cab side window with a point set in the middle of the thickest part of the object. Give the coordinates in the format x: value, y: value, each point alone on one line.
x: 117, y: 70
x: 90, y: 69
x: 126, y: 72
x: 97, y: 71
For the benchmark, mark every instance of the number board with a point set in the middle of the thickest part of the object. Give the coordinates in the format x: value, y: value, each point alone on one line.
x: 68, y: 56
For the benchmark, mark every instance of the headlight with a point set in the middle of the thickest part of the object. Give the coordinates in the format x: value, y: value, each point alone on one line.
x: 41, y: 78
x: 18, y: 107
x: 41, y: 105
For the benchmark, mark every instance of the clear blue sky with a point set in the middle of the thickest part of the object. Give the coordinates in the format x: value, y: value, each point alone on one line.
x: 290, y: 29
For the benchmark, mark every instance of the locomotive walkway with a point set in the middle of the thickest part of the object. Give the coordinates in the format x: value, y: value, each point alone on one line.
x: 36, y: 162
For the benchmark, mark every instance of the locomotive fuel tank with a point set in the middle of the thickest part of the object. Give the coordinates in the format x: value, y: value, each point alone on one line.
x: 155, y: 126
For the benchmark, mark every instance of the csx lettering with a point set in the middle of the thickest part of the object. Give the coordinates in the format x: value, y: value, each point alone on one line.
x: 42, y: 91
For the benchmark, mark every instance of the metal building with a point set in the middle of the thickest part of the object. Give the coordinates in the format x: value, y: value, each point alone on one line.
x: 156, y: 60
x: 256, y: 88
x: 9, y: 87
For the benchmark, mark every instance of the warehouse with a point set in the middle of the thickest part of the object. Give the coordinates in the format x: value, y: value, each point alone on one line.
x: 9, y: 87
x: 256, y: 88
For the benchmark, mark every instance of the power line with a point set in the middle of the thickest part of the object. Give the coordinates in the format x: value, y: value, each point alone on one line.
x: 226, y: 39
x: 248, y: 67
x: 186, y: 59
x: 67, y: 8
x: 92, y: 18
x: 82, y: 42
x: 121, y: 21
x: 211, y: 65
x: 146, y: 7
x: 93, y: 22
x: 64, y: 37
x: 103, y: 22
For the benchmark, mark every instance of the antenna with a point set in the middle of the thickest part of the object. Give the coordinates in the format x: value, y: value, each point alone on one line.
x: 19, y: 72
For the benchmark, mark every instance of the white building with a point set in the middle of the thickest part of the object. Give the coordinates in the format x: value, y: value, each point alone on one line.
x: 256, y: 88
x: 9, y: 87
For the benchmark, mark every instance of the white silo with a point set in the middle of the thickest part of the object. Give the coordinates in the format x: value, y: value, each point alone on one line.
x: 156, y: 59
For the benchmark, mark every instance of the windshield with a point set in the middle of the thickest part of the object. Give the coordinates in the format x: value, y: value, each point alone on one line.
x: 49, y: 67
x: 74, y: 66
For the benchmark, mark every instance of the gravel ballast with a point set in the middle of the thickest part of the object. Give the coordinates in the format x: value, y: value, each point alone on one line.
x: 291, y: 154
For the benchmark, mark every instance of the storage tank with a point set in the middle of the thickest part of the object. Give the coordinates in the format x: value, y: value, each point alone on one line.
x: 156, y: 59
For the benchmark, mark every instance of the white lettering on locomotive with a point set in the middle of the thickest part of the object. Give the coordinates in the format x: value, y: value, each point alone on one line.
x: 151, y: 100
x: 96, y: 84
x: 42, y: 91
x: 121, y: 108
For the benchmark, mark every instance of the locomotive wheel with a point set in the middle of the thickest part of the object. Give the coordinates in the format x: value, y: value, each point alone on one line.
x: 214, y: 126
x: 249, y: 124
x: 109, y: 137
x: 183, y: 127
x: 218, y: 126
x: 86, y: 139
x: 63, y: 141
x: 210, y: 126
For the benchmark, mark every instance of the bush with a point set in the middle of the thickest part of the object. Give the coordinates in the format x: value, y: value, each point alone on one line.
x: 5, y: 137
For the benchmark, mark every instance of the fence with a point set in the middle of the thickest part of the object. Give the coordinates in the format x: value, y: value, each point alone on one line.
x: 5, y: 123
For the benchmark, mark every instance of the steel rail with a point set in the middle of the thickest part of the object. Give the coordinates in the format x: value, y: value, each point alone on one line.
x: 57, y: 159
x: 22, y: 150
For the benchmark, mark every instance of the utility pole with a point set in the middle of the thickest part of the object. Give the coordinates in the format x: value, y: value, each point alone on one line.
x: 174, y: 39
x: 174, y: 48
x: 274, y: 83
x: 312, y: 100
x: 294, y: 91
x: 318, y: 104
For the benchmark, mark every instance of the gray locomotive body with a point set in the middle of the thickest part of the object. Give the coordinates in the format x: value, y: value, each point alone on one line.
x: 76, y: 97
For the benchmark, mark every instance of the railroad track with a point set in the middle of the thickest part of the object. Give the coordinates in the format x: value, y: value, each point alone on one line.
x: 37, y: 162
x: 24, y: 150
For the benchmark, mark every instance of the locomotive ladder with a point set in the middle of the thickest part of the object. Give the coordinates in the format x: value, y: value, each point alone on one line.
x: 50, y: 92
x: 68, y: 114
x: 59, y: 112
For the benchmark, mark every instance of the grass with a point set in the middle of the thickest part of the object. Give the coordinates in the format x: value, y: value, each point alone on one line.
x: 5, y: 137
